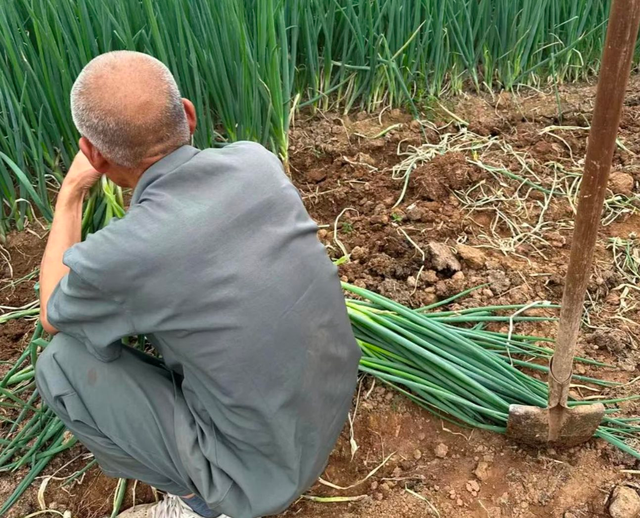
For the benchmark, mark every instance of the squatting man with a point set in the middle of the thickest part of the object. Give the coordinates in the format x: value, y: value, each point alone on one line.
x: 217, y: 263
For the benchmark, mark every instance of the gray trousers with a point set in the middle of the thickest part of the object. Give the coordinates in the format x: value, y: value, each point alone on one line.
x: 126, y: 419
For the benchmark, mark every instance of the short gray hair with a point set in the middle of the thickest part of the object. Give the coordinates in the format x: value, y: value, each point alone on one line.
x: 127, y: 104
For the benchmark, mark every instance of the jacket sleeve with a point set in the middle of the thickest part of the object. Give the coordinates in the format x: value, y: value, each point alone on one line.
x: 87, y: 313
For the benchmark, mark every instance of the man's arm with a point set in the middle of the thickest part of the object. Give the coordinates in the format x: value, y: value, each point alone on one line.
x: 66, y: 230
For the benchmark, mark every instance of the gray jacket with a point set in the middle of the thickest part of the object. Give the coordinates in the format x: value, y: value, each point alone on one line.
x: 218, y: 263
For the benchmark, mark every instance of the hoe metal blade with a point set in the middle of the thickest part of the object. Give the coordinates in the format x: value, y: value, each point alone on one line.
x: 558, y: 426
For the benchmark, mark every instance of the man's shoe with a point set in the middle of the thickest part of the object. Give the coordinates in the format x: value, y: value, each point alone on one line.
x: 170, y: 507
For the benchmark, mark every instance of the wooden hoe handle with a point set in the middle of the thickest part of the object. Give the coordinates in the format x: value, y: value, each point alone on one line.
x: 612, y: 82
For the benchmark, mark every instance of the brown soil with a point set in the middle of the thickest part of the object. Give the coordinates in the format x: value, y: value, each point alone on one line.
x: 343, y: 167
x: 22, y: 258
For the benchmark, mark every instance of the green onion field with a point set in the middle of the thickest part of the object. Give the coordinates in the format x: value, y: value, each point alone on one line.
x: 439, y: 145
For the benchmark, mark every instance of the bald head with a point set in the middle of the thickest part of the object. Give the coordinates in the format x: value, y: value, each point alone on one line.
x: 128, y: 106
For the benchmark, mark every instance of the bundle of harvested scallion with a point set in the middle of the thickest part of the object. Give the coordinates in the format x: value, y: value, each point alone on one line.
x: 449, y: 364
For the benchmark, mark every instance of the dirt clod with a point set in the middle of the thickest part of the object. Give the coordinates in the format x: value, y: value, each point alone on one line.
x: 473, y: 486
x: 441, y: 257
x: 621, y: 183
x: 435, y: 179
x: 317, y: 175
x: 359, y: 252
x: 499, y: 281
x: 441, y: 450
x: 482, y: 471
x: 414, y: 213
x: 614, y: 340
x: 472, y: 256
x: 624, y: 503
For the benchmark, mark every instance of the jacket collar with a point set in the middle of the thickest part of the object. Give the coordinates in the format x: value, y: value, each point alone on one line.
x: 162, y: 167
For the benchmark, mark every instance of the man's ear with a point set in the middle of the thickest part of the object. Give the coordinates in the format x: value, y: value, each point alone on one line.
x: 94, y: 156
x: 190, y: 112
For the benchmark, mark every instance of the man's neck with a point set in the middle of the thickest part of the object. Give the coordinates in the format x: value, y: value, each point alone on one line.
x: 137, y: 173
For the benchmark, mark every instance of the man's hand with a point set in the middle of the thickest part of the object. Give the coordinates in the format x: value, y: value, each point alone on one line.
x: 81, y: 175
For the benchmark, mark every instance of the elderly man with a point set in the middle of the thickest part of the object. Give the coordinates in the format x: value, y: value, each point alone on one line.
x: 217, y: 263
